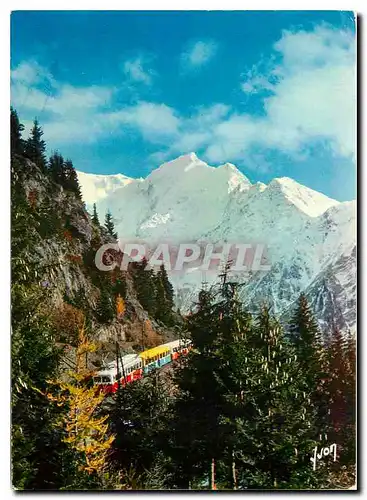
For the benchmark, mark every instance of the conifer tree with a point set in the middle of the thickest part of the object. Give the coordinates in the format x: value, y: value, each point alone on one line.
x: 305, y: 337
x: 311, y: 355
x: 16, y: 129
x: 109, y: 225
x: 195, y: 440
x: 35, y: 146
x: 164, y: 297
x: 71, y: 182
x: 341, y: 390
x: 138, y: 412
x: 56, y: 168
x: 145, y: 285
x: 95, y: 219
x: 34, y: 359
x: 106, y: 307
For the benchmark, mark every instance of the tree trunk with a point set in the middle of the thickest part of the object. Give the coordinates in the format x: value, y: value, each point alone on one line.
x: 234, y: 474
x: 212, y: 476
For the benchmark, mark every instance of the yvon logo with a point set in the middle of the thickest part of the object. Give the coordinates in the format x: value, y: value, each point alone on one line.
x: 324, y: 452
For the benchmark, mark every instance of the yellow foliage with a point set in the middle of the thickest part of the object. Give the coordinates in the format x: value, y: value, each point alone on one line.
x: 85, y: 432
x: 120, y: 306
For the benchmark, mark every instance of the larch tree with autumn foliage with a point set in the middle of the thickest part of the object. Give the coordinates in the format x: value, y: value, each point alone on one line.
x: 85, y: 431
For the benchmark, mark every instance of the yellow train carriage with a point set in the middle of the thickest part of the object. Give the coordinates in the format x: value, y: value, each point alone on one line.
x: 155, y: 357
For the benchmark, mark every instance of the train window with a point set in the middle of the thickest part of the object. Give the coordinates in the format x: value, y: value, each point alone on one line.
x: 106, y: 379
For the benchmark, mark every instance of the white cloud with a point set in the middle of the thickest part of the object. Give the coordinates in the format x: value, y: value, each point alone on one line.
x: 154, y: 121
x: 308, y: 93
x: 309, y: 88
x: 198, y: 54
x: 68, y: 113
x: 135, y: 71
x: 30, y: 72
x: 195, y: 132
x: 71, y: 100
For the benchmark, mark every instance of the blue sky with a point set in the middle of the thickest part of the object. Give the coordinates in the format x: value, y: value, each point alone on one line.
x: 272, y: 92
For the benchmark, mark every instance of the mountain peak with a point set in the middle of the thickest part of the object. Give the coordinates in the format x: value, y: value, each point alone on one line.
x: 305, y: 199
x: 183, y: 163
x: 190, y: 157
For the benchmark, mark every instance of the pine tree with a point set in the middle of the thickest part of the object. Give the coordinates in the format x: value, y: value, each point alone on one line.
x: 341, y: 390
x: 194, y: 434
x: 56, y: 168
x: 138, y: 413
x: 34, y: 359
x: 305, y: 337
x: 106, y: 307
x: 164, y: 297
x: 35, y: 146
x: 95, y: 219
x: 145, y: 285
x: 109, y: 225
x: 71, y: 182
x: 16, y: 129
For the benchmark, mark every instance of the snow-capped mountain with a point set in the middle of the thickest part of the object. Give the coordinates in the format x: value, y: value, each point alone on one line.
x: 97, y: 187
x: 310, y: 238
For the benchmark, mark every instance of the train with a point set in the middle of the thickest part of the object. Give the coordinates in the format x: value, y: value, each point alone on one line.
x: 133, y: 367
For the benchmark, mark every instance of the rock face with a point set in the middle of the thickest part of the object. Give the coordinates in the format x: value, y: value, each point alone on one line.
x: 310, y: 239
x: 65, y: 243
